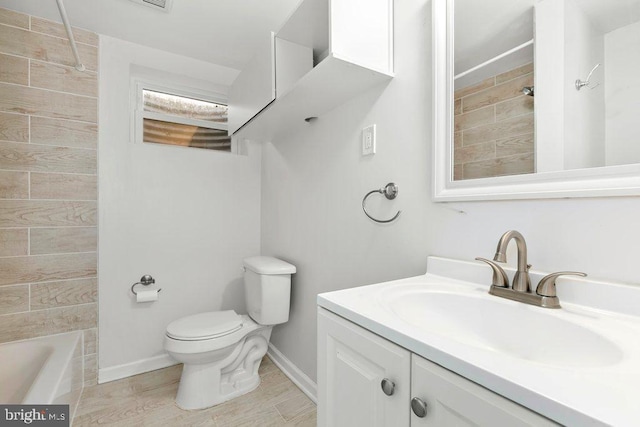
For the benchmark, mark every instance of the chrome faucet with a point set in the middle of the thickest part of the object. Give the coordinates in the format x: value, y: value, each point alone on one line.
x: 545, y: 295
x: 521, y: 281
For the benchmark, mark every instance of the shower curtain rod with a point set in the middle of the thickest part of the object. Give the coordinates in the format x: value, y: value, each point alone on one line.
x: 72, y: 41
x: 492, y: 60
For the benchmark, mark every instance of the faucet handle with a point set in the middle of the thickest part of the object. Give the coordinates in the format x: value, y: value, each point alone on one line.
x: 547, y: 285
x: 500, y: 278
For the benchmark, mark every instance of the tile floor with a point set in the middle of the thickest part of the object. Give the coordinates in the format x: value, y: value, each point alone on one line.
x: 148, y: 400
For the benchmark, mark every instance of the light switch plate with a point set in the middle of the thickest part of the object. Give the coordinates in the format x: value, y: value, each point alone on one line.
x: 369, y: 140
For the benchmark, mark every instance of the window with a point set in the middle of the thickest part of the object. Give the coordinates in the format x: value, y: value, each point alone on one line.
x: 178, y: 119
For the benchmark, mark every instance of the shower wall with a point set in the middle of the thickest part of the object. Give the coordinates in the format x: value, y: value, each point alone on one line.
x: 570, y: 127
x: 48, y: 190
x: 584, y: 130
x: 494, y: 126
x: 622, y: 59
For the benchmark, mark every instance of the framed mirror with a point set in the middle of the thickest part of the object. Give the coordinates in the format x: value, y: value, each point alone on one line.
x: 536, y: 99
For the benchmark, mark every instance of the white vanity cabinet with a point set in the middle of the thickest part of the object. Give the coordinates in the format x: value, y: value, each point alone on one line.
x: 452, y: 400
x: 353, y: 363
x: 326, y: 53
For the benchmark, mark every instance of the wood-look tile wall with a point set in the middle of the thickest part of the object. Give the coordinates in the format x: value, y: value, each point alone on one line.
x: 494, y: 127
x: 48, y: 183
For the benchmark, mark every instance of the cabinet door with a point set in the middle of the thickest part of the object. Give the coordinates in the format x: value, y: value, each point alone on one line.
x: 364, y: 41
x: 454, y: 401
x: 255, y: 86
x: 352, y: 363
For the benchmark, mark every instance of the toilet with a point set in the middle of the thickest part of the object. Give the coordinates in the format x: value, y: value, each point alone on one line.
x: 222, y: 350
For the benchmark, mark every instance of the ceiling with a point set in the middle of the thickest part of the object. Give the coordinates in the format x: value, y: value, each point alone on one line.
x: 486, y: 29
x: 224, y: 32
x: 610, y: 14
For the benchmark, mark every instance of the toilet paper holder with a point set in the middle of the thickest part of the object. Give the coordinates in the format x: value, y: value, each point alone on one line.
x: 145, y: 280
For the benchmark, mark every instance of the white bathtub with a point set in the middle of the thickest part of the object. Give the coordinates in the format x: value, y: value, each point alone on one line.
x: 42, y: 370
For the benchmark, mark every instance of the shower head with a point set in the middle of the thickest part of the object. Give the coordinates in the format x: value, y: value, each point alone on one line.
x: 528, y: 90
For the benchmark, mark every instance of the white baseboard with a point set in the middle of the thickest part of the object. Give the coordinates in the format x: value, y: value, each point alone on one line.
x: 298, y: 377
x: 134, y: 368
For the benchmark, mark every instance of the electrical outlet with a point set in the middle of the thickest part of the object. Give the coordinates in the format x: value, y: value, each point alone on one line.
x: 369, y: 140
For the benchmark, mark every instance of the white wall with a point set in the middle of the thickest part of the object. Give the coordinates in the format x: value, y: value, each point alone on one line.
x: 570, y: 130
x: 549, y: 64
x: 584, y: 129
x: 186, y: 216
x: 313, y: 184
x: 622, y: 94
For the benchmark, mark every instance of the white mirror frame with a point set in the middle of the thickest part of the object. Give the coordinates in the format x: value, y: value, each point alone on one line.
x: 595, y: 182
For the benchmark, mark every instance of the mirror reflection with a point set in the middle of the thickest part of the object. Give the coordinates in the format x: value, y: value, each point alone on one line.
x: 544, y: 85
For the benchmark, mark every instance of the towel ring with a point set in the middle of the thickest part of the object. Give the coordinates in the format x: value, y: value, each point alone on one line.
x: 145, y: 280
x: 390, y: 191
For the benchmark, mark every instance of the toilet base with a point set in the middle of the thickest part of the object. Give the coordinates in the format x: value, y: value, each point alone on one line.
x: 203, y: 385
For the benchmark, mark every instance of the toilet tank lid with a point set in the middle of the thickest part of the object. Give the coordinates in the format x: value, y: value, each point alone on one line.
x: 268, y: 265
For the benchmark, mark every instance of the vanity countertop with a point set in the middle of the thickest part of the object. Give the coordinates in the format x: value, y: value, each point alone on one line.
x: 586, y: 372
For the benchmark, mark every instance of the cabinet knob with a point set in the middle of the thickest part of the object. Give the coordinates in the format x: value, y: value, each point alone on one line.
x: 419, y: 407
x: 388, y: 386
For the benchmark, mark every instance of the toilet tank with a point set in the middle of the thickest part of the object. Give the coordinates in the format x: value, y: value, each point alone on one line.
x: 267, y: 286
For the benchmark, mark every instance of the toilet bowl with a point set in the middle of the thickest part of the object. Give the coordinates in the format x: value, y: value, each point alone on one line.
x: 220, y: 365
x: 222, y: 350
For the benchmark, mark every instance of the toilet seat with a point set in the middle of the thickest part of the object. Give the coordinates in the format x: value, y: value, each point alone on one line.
x: 194, y: 346
x: 204, y: 326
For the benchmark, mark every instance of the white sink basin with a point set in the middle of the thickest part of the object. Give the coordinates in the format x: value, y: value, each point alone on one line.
x: 477, y: 319
x: 578, y: 365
